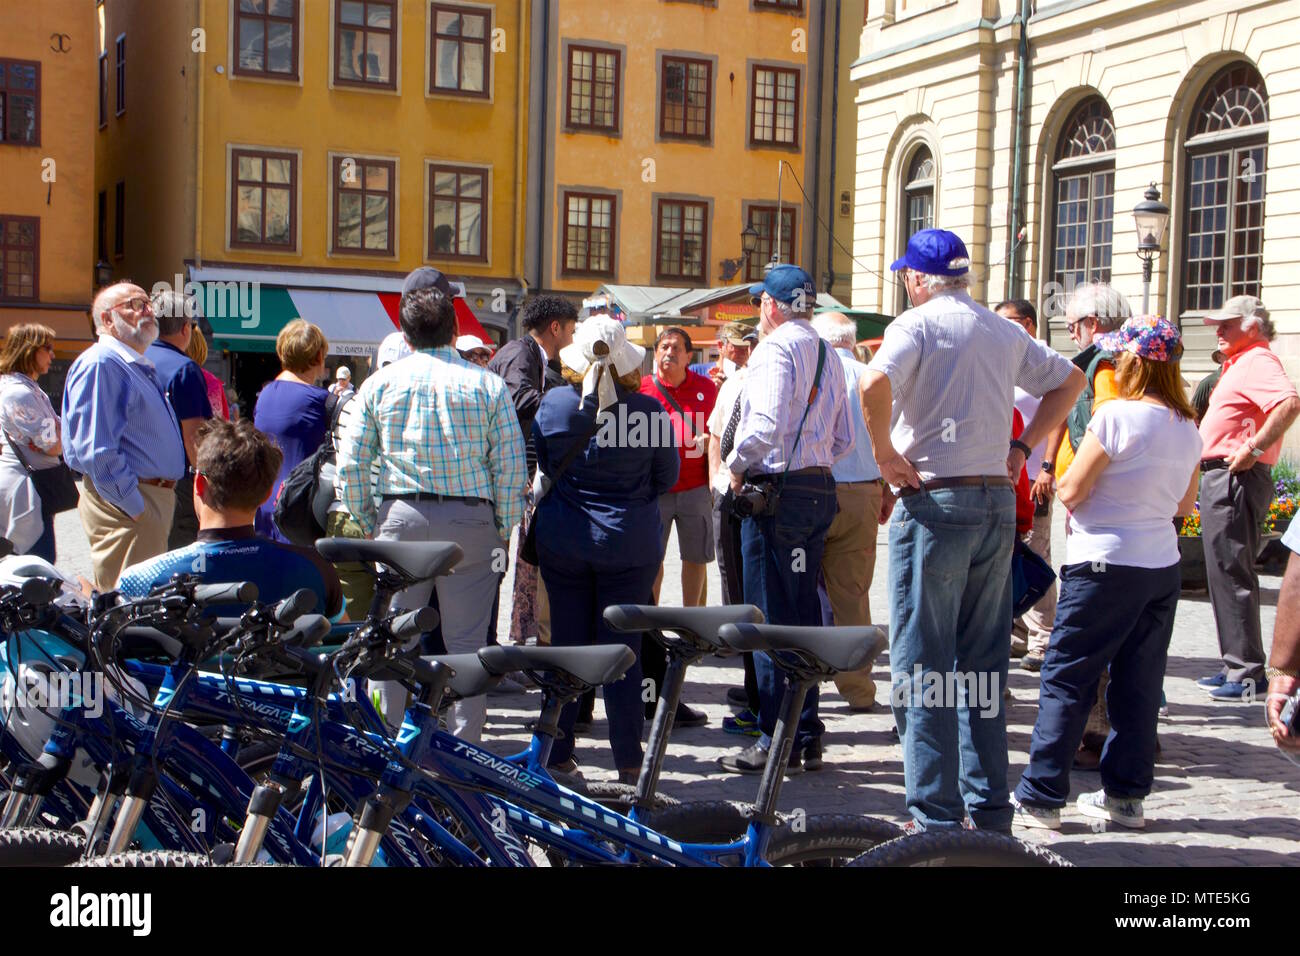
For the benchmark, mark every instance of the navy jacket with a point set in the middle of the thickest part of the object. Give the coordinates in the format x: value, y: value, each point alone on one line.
x: 606, y: 504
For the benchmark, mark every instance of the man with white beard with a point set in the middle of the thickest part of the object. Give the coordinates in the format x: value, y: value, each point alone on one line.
x: 121, y: 434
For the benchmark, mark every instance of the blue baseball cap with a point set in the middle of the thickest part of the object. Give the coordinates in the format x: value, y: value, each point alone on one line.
x: 785, y: 283
x: 936, y: 252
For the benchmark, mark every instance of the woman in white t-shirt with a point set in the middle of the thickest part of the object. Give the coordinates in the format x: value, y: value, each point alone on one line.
x: 1135, y: 470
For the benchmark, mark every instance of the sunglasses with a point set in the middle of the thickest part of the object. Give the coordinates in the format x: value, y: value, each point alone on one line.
x: 137, y: 303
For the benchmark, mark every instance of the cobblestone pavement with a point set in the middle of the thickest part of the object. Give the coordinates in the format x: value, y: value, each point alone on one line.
x: 1223, y: 795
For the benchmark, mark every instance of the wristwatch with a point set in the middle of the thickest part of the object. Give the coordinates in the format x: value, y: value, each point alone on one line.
x: 1048, y: 467
x: 1255, y: 451
x: 1017, y: 443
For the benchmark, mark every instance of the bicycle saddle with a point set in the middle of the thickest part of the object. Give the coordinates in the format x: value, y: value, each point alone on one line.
x: 698, y: 624
x: 471, y: 679
x: 833, y: 649
x: 591, y: 666
x: 416, y: 560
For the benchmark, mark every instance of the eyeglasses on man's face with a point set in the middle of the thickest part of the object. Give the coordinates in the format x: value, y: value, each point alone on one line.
x: 137, y: 303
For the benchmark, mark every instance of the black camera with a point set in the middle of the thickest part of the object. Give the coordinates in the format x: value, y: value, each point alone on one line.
x: 751, y: 501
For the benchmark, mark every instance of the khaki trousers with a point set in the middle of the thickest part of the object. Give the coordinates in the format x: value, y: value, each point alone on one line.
x: 117, y: 542
x: 848, y: 564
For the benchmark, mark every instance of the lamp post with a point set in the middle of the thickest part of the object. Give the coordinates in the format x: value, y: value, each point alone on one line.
x: 1151, y: 217
x: 748, y: 243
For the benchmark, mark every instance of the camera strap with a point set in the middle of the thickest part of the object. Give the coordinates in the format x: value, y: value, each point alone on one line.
x: 686, y: 421
x: 812, y: 397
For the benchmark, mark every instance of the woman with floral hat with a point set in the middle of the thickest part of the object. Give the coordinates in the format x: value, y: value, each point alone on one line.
x: 1135, y: 469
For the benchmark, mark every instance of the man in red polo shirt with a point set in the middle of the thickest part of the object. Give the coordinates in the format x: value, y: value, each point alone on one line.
x: 1250, y: 410
x: 688, y: 398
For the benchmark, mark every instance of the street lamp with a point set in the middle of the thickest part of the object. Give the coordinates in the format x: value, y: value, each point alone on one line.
x: 103, y: 274
x: 1151, y: 217
x: 748, y: 243
x: 749, y: 240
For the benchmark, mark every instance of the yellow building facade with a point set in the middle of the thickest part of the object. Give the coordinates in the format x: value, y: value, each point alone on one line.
x: 299, y: 157
x: 658, y: 134
x: 47, y: 64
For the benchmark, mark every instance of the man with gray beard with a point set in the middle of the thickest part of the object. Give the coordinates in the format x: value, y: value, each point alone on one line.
x: 121, y: 434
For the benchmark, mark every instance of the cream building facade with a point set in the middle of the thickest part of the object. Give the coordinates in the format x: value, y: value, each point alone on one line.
x: 1200, y: 98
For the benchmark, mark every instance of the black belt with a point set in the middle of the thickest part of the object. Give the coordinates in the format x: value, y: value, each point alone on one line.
x: 970, y: 481
x: 818, y: 472
x: 429, y: 496
x: 1213, y: 464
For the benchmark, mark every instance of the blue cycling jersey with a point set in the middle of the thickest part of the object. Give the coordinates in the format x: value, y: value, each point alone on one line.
x: 223, y: 555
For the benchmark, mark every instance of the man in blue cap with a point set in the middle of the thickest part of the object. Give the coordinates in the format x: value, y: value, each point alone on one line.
x: 794, y: 424
x: 945, y: 375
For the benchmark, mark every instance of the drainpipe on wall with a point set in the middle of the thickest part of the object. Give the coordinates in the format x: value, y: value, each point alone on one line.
x: 1018, y: 159
x: 833, y: 191
x: 200, y: 76
x: 816, y: 164
x: 521, y: 205
x: 543, y: 125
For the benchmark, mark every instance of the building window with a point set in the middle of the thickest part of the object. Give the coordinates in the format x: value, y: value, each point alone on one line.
x: 592, y: 88
x: 458, y: 197
x: 264, y: 192
x: 461, y: 62
x: 365, y: 41
x: 103, y: 90
x: 119, y: 220
x: 774, y: 116
x: 1084, y: 207
x: 1225, y: 163
x: 589, y: 234
x: 682, y: 237
x: 763, y: 219
x: 685, y: 98
x: 795, y: 6
x: 364, y: 200
x: 20, y: 102
x: 266, y: 38
x: 918, y: 191
x: 120, y: 74
x: 101, y: 226
x: 19, y: 257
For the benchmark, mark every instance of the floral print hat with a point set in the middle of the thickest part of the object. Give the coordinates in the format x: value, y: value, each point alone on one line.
x: 1147, y: 336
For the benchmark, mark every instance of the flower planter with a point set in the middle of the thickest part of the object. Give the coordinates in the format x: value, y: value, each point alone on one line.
x: 1191, y: 563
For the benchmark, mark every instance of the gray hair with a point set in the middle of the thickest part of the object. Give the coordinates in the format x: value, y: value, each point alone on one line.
x: 837, y: 329
x: 788, y: 311
x: 1260, y: 321
x: 936, y: 285
x: 1100, y: 301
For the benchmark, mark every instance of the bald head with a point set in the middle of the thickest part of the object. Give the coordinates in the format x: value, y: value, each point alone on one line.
x: 123, y: 311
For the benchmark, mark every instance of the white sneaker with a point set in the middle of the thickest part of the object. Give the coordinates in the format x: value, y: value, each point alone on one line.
x: 1127, y: 813
x: 1035, y: 818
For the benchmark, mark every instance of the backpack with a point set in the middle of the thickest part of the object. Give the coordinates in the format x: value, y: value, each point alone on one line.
x: 305, y: 496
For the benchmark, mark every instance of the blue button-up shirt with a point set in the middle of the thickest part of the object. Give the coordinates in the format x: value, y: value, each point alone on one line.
x: 181, y: 379
x: 860, y: 463
x: 117, y: 424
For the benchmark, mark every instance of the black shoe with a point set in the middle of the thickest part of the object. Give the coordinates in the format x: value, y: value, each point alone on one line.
x: 689, y: 717
x: 750, y: 760
x: 812, y: 755
x: 582, y: 726
x: 737, y: 697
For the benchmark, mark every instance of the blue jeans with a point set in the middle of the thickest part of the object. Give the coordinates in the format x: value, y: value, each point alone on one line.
x: 781, y: 557
x: 950, y: 586
x: 579, y: 590
x: 1115, y: 617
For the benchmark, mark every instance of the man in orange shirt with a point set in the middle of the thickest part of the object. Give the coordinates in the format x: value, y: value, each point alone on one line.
x: 1250, y: 410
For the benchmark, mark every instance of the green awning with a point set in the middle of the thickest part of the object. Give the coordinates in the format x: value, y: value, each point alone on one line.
x: 871, y: 325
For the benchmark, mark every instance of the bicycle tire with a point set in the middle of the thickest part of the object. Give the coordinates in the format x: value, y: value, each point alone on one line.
x: 618, y: 796
x: 39, y: 846
x: 140, y: 859
x: 832, y: 839
x: 704, y: 821
x: 959, y: 848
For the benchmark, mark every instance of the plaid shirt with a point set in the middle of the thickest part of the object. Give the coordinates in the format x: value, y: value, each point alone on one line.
x: 436, y: 424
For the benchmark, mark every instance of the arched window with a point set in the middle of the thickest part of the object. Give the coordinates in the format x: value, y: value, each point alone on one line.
x: 1084, y: 208
x: 1226, y: 150
x: 918, y: 189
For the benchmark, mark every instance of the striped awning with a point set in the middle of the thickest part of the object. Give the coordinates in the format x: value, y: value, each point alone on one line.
x: 247, y: 314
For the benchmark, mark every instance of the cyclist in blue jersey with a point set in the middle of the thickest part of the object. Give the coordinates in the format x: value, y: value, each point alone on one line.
x: 235, y: 469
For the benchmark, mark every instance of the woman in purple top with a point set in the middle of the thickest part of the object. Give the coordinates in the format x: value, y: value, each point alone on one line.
x: 291, y: 407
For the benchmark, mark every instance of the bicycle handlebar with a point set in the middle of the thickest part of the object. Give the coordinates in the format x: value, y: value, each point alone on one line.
x: 414, y: 623
x: 300, y: 602
x: 243, y: 592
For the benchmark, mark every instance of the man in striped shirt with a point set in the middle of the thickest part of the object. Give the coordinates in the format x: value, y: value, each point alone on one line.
x: 794, y: 424
x: 945, y: 375
x: 451, y: 458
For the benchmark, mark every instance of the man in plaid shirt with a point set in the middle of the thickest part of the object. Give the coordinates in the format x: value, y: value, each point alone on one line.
x: 451, y: 468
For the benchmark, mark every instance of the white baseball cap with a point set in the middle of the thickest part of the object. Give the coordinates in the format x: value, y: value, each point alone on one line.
x: 343, y: 372
x: 468, y: 343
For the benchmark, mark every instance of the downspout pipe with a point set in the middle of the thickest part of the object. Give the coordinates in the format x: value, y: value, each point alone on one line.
x: 1018, y: 160
x: 835, y: 120
x: 544, y: 126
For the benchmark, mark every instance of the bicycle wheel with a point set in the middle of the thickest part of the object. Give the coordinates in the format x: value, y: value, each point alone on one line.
x: 959, y: 848
x: 618, y: 796
x: 39, y: 846
x: 706, y: 821
x: 138, y: 859
x: 832, y: 839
